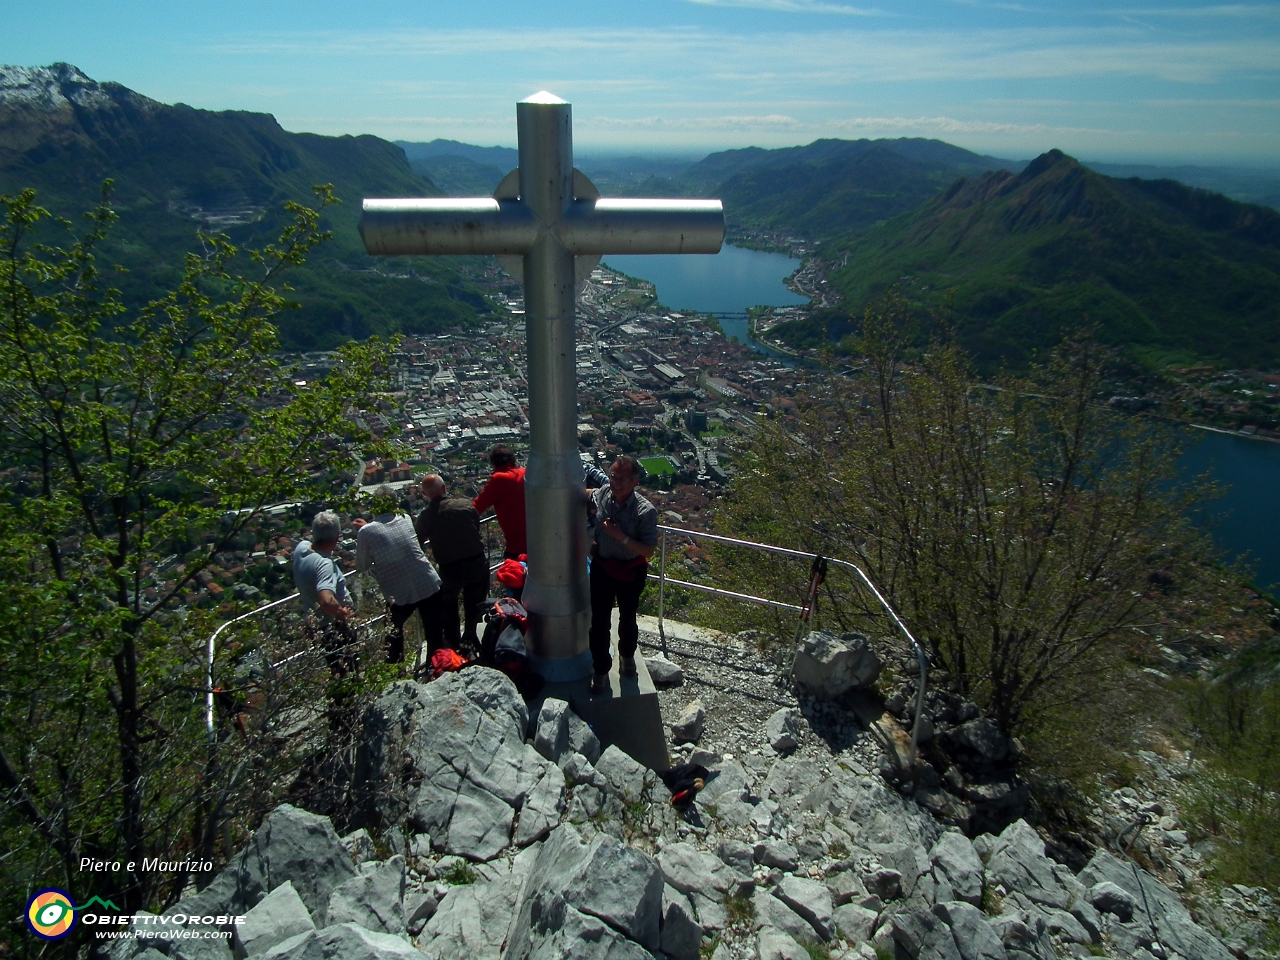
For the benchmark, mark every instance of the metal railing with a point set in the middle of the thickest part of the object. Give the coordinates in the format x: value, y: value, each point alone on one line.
x: 810, y: 608
x: 211, y: 649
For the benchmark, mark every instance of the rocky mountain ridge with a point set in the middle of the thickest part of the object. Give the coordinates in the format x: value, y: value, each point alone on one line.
x: 495, y: 832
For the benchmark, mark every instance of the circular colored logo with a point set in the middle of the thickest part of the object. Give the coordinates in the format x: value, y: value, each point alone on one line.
x: 51, y: 914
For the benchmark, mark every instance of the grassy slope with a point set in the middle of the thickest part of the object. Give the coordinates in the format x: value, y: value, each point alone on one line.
x: 1024, y: 258
x: 174, y: 165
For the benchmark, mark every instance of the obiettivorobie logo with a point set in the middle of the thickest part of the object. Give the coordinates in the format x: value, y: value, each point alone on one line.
x: 51, y: 913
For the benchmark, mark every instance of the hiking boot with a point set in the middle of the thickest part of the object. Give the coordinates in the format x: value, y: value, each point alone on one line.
x: 599, y: 682
x: 628, y: 667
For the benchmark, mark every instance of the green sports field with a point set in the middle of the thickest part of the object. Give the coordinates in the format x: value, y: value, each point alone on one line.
x: 657, y: 466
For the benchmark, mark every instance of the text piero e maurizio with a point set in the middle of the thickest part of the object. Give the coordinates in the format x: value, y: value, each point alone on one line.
x: 149, y: 865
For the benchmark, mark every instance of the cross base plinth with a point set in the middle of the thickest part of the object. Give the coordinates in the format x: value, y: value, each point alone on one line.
x: 627, y: 715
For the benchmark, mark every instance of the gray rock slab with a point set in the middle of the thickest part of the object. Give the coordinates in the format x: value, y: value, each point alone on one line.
x: 956, y: 862
x: 1109, y: 898
x: 451, y: 756
x: 811, y: 900
x: 618, y: 885
x: 908, y: 859
x: 374, y: 900
x: 582, y: 739
x: 727, y: 783
x: 845, y: 887
x: 1063, y: 925
x: 663, y: 672
x: 1018, y: 862
x: 710, y: 911
x: 689, y: 725
x: 687, y: 868
x: 1169, y: 913
x: 975, y: 938
x: 578, y: 769
x: 737, y: 855
x: 855, y: 923
x: 543, y: 807
x: 625, y: 778
x: 777, y: 853
x: 775, y: 944
x: 769, y: 911
x: 291, y: 844
x: 783, y: 729
x: 827, y: 666
x: 579, y: 936
x: 349, y: 941
x: 343, y: 942
x: 681, y: 937
x: 923, y: 936
x: 551, y: 733
x: 279, y: 915
x: 471, y: 920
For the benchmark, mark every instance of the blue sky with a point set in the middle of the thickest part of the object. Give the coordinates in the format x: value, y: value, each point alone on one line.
x: 1162, y: 81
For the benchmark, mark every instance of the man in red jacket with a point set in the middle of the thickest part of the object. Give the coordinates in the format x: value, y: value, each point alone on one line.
x: 505, y: 493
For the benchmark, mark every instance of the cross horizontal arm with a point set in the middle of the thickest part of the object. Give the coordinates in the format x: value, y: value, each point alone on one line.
x: 420, y: 227
x: 643, y: 226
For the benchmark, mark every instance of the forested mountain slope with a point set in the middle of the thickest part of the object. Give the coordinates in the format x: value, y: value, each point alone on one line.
x: 1016, y: 260
x: 177, y: 169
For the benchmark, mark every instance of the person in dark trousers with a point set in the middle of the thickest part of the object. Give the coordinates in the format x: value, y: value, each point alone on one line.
x: 505, y: 493
x: 389, y: 547
x: 451, y: 526
x: 623, y: 539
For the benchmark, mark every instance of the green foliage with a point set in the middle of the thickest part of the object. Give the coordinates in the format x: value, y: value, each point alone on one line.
x: 1021, y: 261
x: 124, y: 430
x: 815, y: 949
x: 1015, y: 529
x: 460, y: 874
x: 1234, y: 722
x: 740, y: 910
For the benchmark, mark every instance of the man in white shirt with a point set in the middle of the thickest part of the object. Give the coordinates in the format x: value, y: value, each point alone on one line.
x: 389, y: 546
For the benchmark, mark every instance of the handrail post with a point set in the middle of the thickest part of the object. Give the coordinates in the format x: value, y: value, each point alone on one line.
x: 662, y: 591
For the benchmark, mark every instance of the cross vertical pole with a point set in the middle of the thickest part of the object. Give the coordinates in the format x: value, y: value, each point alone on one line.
x: 556, y: 590
x: 546, y: 227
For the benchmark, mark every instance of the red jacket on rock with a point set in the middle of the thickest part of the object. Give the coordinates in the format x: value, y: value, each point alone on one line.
x: 505, y: 493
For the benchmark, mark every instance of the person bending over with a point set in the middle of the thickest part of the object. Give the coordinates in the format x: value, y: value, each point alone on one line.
x: 389, y: 546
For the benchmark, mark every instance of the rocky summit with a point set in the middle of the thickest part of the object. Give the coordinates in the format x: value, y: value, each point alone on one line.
x: 492, y: 831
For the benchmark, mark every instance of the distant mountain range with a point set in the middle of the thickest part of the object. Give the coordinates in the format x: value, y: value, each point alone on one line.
x: 1017, y: 252
x: 1016, y: 260
x: 177, y: 169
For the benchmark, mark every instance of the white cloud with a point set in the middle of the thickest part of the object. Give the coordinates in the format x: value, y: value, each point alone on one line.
x: 793, y: 6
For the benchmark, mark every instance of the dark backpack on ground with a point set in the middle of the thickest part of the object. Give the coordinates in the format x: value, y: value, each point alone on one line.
x: 502, y: 645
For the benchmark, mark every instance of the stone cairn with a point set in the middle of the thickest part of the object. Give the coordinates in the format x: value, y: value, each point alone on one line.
x: 491, y: 834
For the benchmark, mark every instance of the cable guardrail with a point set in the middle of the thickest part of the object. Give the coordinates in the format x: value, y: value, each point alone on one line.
x: 809, y: 609
x: 211, y: 648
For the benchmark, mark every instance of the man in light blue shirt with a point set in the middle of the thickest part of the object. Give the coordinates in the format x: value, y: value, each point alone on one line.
x: 322, y: 584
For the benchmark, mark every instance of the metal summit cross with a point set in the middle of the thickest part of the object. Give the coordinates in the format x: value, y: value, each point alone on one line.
x: 549, y: 226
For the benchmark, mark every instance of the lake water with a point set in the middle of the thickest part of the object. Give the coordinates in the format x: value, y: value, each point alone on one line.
x: 1245, y: 521
x: 726, y: 282
x: 1247, y: 518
